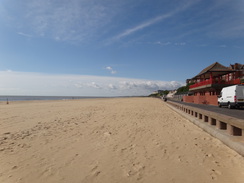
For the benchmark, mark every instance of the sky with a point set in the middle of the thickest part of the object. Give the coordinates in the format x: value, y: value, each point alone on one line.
x: 114, y: 47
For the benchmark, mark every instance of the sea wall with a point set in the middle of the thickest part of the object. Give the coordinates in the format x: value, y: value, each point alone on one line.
x: 228, y: 129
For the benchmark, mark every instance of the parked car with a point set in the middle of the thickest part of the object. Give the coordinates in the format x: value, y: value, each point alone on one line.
x: 231, y: 96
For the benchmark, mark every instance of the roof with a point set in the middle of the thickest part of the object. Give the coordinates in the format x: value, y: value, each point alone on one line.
x: 237, y: 66
x: 216, y: 69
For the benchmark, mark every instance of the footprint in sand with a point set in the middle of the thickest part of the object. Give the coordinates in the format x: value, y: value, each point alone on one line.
x: 136, y: 171
x: 217, y: 163
x: 107, y: 134
x: 95, y: 171
x: 215, y: 173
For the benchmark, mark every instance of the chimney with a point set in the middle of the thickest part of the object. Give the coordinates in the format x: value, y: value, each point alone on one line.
x: 236, y: 66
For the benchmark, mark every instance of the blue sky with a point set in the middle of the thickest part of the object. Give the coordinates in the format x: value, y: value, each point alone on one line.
x: 114, y: 47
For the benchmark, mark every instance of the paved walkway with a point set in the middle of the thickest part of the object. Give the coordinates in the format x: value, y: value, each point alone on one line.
x: 237, y: 113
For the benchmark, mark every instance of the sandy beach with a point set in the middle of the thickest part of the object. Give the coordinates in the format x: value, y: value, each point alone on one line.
x: 108, y: 141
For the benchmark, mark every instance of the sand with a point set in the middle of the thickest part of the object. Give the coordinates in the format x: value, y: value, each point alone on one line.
x: 109, y: 140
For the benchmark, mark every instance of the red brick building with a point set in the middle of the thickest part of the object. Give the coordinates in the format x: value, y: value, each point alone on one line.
x: 209, y: 82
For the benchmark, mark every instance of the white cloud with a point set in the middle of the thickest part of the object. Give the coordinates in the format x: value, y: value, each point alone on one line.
x: 112, y: 71
x: 93, y: 85
x: 23, y: 83
x: 109, y: 68
x: 111, y: 86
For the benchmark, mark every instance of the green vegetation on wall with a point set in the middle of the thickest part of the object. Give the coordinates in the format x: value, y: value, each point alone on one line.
x: 184, y: 89
x: 160, y: 93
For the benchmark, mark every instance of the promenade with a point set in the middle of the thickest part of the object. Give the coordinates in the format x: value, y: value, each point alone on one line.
x: 236, y: 113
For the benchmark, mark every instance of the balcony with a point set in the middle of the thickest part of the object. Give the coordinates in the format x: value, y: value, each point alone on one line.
x: 213, y: 81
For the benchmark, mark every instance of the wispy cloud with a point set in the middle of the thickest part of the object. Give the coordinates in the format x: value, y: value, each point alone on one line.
x: 180, y: 44
x: 24, y: 83
x: 89, y: 21
x: 142, y: 26
x: 25, y: 35
x: 163, y: 43
x: 169, y: 43
x: 74, y: 20
x: 232, y: 29
x: 223, y: 46
x: 220, y: 19
x: 154, y: 20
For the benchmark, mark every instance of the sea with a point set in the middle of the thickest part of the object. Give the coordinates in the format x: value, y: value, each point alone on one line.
x: 28, y: 98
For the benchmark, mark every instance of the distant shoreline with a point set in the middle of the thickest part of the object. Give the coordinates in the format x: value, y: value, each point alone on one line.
x: 9, y: 98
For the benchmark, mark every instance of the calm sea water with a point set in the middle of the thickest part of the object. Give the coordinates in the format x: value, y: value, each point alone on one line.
x: 24, y: 98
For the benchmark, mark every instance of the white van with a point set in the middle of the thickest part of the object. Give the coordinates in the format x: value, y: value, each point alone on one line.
x: 231, y: 96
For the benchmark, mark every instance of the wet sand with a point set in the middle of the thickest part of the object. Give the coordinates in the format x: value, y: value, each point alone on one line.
x: 109, y: 140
